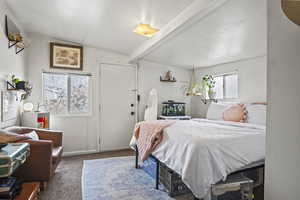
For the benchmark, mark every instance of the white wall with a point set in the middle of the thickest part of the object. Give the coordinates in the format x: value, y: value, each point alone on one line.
x: 80, y: 133
x: 149, y: 77
x: 252, y: 81
x: 10, y: 63
x: 283, y: 129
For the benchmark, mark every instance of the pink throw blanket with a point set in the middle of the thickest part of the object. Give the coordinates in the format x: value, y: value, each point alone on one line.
x: 149, y: 135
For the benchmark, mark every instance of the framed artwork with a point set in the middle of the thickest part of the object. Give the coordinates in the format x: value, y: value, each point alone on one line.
x: 64, y: 56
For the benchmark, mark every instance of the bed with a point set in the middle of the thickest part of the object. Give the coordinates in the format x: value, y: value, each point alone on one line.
x: 205, y: 151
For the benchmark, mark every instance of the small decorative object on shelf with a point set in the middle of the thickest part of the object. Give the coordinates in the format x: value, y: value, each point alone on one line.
x: 36, y: 119
x: 19, y: 85
x: 168, y: 77
x: 209, y: 83
x: 14, y: 36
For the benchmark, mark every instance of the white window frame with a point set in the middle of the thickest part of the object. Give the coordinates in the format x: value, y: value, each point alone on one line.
x: 224, y: 85
x: 68, y: 114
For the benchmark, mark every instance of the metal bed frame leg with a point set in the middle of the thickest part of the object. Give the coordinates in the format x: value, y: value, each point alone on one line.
x: 136, y: 157
x: 157, y: 175
x: 157, y: 167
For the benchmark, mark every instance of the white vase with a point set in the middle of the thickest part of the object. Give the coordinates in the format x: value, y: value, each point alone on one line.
x: 211, y: 94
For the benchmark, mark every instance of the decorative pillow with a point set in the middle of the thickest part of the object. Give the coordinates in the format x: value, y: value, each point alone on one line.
x: 8, y: 137
x: 235, y: 113
x: 215, y: 111
x: 32, y: 135
x: 257, y: 114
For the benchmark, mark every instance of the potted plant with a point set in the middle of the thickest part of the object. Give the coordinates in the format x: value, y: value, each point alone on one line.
x: 19, y: 84
x: 22, y: 85
x: 209, y: 83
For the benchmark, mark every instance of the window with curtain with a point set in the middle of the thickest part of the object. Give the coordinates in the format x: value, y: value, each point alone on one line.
x: 66, y: 94
x: 227, y: 86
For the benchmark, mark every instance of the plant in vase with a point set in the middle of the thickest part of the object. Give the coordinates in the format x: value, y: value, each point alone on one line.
x: 209, y: 83
x: 27, y: 89
x: 22, y: 85
x: 18, y: 83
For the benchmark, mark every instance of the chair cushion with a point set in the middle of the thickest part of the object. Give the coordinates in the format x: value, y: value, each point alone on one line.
x: 32, y: 135
x: 56, y: 154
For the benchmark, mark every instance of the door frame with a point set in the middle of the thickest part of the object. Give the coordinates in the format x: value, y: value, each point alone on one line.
x: 99, y: 97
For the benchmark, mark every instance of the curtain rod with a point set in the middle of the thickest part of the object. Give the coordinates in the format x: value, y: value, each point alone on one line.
x: 227, y: 73
x: 68, y: 73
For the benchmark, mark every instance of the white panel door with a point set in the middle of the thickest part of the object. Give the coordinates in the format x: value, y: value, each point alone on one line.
x: 118, y: 106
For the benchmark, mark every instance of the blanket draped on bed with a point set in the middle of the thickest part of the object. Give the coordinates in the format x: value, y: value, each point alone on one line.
x: 149, y: 135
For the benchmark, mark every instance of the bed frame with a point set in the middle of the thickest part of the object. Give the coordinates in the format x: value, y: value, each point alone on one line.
x: 253, y: 166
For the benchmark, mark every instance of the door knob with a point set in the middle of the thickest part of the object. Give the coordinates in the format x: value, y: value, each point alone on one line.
x: 132, y: 105
x: 132, y: 113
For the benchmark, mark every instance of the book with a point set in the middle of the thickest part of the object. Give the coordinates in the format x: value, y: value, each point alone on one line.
x: 7, y: 183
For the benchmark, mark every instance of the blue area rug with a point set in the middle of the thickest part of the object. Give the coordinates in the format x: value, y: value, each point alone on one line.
x: 115, y: 179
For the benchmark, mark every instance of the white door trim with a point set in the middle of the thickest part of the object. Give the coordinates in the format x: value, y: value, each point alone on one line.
x: 99, y: 97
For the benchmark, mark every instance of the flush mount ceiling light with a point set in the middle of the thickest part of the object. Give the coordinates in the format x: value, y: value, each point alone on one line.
x: 145, y: 30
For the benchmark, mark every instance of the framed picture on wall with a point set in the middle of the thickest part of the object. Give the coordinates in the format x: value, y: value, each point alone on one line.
x: 64, y: 56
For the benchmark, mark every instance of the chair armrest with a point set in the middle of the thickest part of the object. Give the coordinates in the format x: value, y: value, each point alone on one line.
x: 54, y: 136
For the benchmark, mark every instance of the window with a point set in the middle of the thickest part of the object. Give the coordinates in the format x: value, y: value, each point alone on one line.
x: 66, y: 93
x: 226, y: 86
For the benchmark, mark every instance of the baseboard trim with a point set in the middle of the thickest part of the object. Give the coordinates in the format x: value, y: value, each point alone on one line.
x: 78, y: 153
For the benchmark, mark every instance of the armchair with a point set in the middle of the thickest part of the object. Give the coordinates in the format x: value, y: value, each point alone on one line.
x: 45, y: 154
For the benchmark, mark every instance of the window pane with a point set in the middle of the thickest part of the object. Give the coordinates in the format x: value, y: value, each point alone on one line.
x: 79, y: 94
x: 219, y: 87
x: 231, y: 86
x: 55, y: 92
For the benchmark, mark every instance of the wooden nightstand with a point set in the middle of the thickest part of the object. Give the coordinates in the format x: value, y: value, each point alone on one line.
x: 30, y: 191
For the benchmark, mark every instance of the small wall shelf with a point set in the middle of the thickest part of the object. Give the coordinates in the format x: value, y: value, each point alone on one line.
x: 205, y: 101
x: 13, y: 35
x: 165, y: 80
x: 12, y: 87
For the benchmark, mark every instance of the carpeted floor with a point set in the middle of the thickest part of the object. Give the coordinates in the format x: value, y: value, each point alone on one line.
x: 66, y: 184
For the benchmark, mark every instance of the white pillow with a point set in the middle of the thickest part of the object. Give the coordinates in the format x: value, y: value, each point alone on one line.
x: 257, y: 114
x: 32, y: 135
x: 215, y: 111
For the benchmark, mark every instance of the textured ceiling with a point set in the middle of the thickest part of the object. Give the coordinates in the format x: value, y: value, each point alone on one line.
x: 101, y: 23
x: 236, y: 31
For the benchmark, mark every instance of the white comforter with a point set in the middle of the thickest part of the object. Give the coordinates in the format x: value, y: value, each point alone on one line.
x: 204, y: 152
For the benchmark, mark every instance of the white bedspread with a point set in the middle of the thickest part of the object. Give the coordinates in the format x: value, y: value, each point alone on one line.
x: 204, y: 152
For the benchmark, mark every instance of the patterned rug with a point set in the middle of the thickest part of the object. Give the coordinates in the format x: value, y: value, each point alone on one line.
x: 116, y: 178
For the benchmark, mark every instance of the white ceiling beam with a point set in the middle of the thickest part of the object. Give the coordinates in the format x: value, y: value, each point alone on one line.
x: 193, y: 13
